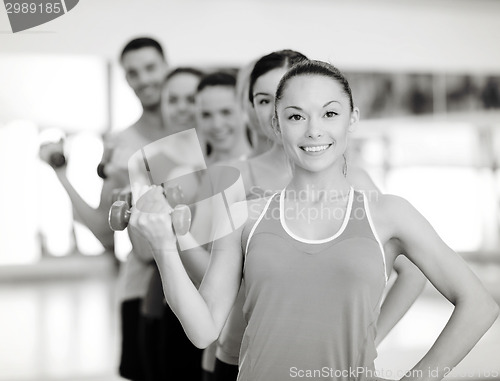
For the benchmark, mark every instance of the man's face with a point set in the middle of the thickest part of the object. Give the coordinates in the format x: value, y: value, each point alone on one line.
x: 145, y: 70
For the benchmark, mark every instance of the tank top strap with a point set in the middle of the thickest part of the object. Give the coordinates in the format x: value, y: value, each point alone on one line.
x: 361, y: 223
x: 259, y: 219
x: 358, y: 224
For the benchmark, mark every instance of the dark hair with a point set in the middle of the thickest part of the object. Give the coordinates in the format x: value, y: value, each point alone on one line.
x: 280, y: 59
x: 142, y: 42
x: 219, y: 78
x: 184, y: 70
x: 311, y: 67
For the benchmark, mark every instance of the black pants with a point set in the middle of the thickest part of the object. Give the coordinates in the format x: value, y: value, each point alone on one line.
x: 156, y: 349
x: 131, y: 366
x: 152, y: 355
x: 224, y: 371
x: 207, y: 376
x: 180, y: 356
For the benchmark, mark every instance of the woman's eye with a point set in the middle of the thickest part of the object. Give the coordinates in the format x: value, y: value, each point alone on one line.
x: 172, y: 100
x: 330, y: 114
x: 264, y: 102
x: 295, y: 117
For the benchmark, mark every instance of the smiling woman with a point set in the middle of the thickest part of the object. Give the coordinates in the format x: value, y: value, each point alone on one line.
x: 314, y: 284
x: 178, y: 98
x: 303, y: 124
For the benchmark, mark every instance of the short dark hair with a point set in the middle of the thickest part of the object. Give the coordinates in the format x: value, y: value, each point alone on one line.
x: 219, y: 78
x: 280, y: 59
x: 184, y: 70
x: 142, y: 42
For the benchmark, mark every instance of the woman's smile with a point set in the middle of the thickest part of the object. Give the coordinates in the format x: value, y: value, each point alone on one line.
x: 315, y: 149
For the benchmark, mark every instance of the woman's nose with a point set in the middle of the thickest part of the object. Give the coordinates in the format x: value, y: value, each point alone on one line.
x: 313, y: 129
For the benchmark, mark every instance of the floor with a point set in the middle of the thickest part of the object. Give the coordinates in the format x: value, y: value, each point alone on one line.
x: 63, y: 326
x: 60, y: 325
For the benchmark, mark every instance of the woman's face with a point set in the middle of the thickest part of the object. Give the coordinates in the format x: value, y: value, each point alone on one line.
x: 264, y: 91
x: 178, y: 101
x: 315, y: 118
x: 219, y: 117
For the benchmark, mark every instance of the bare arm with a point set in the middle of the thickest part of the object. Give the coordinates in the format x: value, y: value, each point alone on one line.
x: 95, y: 219
x: 409, y: 282
x: 202, y: 312
x: 196, y: 259
x: 404, y: 291
x: 475, y: 310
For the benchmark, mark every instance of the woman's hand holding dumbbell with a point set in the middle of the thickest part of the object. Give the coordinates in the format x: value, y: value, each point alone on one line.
x: 156, y: 220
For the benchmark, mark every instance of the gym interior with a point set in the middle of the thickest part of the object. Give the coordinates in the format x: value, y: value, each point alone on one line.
x: 425, y: 75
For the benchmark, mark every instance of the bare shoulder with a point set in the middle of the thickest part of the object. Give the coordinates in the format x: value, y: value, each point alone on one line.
x: 360, y: 179
x: 126, y: 136
x: 249, y: 210
x: 236, y: 163
x: 244, y: 215
x: 254, y: 208
x: 389, y: 203
x: 391, y: 210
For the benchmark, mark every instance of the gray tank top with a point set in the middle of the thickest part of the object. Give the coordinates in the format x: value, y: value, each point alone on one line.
x: 311, y: 306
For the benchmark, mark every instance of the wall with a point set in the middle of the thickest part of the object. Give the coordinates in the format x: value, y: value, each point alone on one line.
x: 440, y: 35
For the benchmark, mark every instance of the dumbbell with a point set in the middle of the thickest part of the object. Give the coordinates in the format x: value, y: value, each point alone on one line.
x: 181, y: 215
x: 108, y: 152
x: 54, y: 155
x: 100, y: 170
x: 120, y: 194
x: 119, y: 214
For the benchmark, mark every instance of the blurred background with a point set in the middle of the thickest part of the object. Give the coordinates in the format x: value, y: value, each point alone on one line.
x: 425, y: 74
